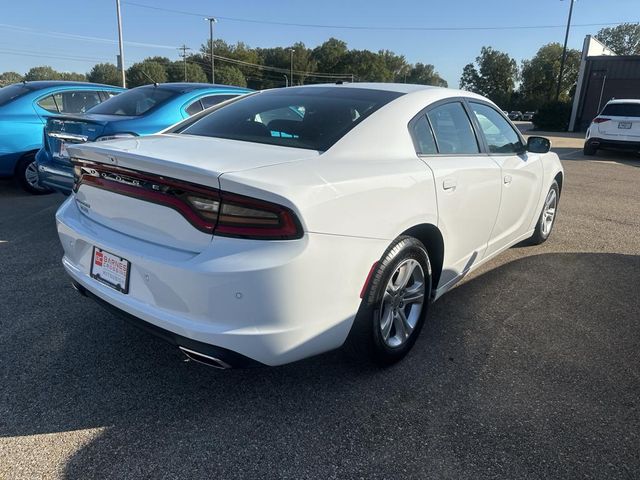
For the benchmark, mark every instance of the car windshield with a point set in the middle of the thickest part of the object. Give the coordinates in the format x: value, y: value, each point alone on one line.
x: 303, y: 117
x: 10, y: 93
x: 135, y: 102
x: 622, y: 110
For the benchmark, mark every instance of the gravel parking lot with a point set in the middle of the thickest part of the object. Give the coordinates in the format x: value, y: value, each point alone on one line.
x: 528, y: 369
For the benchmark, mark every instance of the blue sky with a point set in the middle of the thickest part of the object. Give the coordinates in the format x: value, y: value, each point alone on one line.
x: 35, y: 32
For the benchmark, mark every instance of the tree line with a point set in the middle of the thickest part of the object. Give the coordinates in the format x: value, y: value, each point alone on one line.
x: 494, y: 74
x: 258, y: 68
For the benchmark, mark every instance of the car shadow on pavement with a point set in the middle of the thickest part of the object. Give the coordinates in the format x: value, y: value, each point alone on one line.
x: 528, y: 370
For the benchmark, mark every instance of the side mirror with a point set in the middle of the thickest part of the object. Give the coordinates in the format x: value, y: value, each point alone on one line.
x: 538, y: 145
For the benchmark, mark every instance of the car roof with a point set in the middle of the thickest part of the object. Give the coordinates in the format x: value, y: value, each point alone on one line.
x: 623, y: 100
x: 185, y: 87
x: 41, y: 84
x: 390, y: 87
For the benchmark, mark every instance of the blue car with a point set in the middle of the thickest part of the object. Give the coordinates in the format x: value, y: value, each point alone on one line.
x: 24, y: 108
x: 140, y: 111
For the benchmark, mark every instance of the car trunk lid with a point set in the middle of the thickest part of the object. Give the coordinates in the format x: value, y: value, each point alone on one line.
x: 124, y: 182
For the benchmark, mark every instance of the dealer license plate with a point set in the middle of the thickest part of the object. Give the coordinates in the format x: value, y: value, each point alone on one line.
x: 110, y: 269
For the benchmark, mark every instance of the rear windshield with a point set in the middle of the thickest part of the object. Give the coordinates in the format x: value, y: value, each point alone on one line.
x: 312, y: 118
x: 10, y: 93
x: 135, y: 102
x: 622, y: 110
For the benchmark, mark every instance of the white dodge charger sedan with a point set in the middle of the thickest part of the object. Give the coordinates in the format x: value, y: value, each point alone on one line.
x: 291, y: 221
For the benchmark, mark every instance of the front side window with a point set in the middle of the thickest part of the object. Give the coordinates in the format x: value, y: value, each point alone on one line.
x: 452, y: 129
x: 135, y: 102
x: 302, y: 117
x: 500, y: 136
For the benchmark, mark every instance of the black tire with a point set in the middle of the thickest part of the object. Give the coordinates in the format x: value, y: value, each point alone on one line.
x: 366, y: 340
x: 589, y: 149
x: 542, y: 231
x: 23, y: 169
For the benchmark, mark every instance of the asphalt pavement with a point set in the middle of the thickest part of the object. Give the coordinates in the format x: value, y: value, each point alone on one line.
x: 529, y: 369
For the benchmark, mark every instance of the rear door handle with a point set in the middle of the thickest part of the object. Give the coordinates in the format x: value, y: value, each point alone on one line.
x: 449, y: 184
x: 507, y: 179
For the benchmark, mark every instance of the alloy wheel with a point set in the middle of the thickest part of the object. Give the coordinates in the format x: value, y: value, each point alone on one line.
x: 402, y: 303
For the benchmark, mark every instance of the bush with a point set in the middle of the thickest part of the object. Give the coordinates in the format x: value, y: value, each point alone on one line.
x: 553, y: 116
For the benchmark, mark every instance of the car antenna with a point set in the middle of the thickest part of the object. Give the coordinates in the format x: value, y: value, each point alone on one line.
x: 155, y: 84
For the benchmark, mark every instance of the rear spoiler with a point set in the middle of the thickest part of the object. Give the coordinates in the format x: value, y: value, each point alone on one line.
x: 74, y: 118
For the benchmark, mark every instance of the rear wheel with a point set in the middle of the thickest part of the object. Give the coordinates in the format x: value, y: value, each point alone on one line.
x: 27, y: 175
x: 395, y: 304
x: 548, y: 216
x: 589, y: 149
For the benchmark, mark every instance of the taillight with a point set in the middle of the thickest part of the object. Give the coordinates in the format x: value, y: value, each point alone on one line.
x: 207, y: 209
x: 600, y: 120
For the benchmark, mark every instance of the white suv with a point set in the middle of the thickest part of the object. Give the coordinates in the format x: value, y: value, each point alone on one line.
x: 617, y: 126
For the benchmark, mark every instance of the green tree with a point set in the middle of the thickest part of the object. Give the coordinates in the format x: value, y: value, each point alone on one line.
x: 72, y: 76
x: 194, y: 72
x: 106, y: 73
x: 42, y: 73
x: 540, y: 75
x: 494, y: 75
x: 623, y: 39
x: 425, y: 74
x: 329, y: 56
x: 146, y: 72
x: 7, y: 78
x: 230, y: 75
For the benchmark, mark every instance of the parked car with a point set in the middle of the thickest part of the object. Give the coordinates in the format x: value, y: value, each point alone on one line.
x: 140, y: 111
x: 528, y: 116
x: 616, y: 127
x: 252, y: 234
x: 24, y: 108
x: 515, y: 115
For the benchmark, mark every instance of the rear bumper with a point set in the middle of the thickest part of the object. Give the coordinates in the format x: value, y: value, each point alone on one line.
x: 614, y: 144
x: 273, y: 302
x: 52, y: 174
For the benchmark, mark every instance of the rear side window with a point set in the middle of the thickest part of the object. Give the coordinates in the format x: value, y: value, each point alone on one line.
x: 452, y: 129
x: 212, y: 100
x: 76, y: 102
x: 423, y: 137
x: 622, y: 110
x: 194, y: 108
x: 500, y: 135
x: 49, y: 104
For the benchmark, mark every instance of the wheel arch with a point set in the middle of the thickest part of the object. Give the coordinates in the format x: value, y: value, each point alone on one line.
x: 432, y: 239
x: 559, y: 178
x: 24, y: 155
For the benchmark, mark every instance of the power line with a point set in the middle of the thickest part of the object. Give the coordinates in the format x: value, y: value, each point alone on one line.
x: 371, y: 27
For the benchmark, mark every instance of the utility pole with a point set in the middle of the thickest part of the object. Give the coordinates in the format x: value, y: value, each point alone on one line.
x: 564, y: 50
x: 124, y: 81
x: 184, y: 49
x: 292, y: 52
x: 211, y: 21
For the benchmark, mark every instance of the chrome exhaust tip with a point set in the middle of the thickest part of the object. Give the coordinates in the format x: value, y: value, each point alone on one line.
x: 204, y: 359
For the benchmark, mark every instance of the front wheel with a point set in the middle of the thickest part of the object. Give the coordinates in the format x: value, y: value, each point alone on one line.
x: 395, y: 304
x: 27, y: 175
x: 548, y: 216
